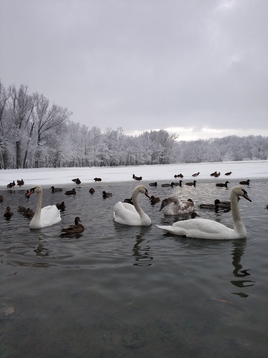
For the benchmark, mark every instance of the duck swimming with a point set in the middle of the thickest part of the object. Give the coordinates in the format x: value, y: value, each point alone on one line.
x: 200, y: 228
x: 75, y: 229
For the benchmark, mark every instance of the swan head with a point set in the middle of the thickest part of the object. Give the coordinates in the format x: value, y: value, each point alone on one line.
x: 240, y: 191
x: 168, y: 201
x: 142, y: 189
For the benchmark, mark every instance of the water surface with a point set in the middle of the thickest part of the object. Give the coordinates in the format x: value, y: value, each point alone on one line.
x: 118, y: 291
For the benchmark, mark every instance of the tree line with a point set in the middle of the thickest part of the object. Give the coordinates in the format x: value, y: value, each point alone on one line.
x: 34, y: 134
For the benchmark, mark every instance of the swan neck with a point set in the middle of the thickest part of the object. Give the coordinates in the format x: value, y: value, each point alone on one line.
x: 39, y: 204
x: 136, y: 203
x: 237, y: 221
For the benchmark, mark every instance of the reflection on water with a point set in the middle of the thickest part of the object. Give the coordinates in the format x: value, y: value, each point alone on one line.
x: 119, y: 291
x: 239, y: 248
x: 142, y: 252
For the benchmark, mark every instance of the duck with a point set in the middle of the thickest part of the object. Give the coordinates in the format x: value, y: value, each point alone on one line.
x: 20, y: 182
x: 8, y: 213
x: 54, y: 190
x: 195, y: 174
x: 191, y: 183
x: 217, y: 204
x: 92, y: 190
x: 200, y: 228
x: 194, y: 215
x: 1, y: 198
x: 132, y: 215
x: 154, y: 200
x: 97, y: 179
x: 228, y: 173
x: 136, y: 178
x: 166, y: 185
x: 21, y: 209
x: 61, y: 206
x: 175, y: 206
x: 76, y: 181
x: 75, y: 229
x: 177, y: 183
x: 46, y: 216
x: 10, y: 185
x: 70, y: 192
x: 216, y: 175
x: 106, y: 195
x: 153, y: 184
x: 245, y: 182
x: 28, y: 213
x: 223, y: 184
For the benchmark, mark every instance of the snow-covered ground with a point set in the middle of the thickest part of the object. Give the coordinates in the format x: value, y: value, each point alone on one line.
x: 63, y: 176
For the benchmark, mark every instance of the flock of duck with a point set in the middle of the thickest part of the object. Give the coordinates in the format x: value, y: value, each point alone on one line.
x: 130, y: 212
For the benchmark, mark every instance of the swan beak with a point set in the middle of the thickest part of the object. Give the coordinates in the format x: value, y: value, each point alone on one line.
x: 246, y: 196
x: 148, y: 196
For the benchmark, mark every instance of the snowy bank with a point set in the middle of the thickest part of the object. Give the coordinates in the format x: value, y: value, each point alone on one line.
x: 63, y: 176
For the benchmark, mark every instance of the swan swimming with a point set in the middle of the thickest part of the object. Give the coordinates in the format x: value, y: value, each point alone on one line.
x: 132, y: 215
x: 199, y: 228
x: 173, y: 206
x: 46, y: 216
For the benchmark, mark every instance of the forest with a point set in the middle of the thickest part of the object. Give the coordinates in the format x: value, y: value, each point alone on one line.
x: 36, y: 134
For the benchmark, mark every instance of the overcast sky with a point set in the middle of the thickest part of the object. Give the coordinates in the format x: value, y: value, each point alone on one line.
x: 195, y: 67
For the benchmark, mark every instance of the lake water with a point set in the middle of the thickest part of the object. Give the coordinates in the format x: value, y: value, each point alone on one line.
x: 119, y: 291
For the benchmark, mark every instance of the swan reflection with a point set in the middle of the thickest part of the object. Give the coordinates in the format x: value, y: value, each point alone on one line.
x: 141, y: 254
x: 238, y: 271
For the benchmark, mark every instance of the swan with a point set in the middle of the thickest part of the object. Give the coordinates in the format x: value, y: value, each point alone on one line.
x: 174, y: 206
x: 199, y: 228
x: 46, y: 216
x: 132, y: 215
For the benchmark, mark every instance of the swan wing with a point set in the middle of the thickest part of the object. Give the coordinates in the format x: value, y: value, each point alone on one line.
x: 126, y: 214
x: 50, y: 215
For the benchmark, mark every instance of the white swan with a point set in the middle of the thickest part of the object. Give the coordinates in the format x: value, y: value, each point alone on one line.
x: 173, y: 206
x: 209, y: 229
x: 133, y: 215
x: 46, y: 216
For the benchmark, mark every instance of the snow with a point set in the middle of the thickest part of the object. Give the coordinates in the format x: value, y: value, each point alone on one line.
x: 63, y: 176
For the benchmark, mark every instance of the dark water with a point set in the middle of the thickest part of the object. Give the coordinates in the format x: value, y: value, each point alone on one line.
x: 119, y: 291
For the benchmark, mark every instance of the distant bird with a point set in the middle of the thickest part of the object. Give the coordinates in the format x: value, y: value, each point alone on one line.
x: 8, y: 213
x: 223, y: 184
x: 178, y: 176
x: 228, y: 173
x: 153, y: 184
x: 75, y: 229
x: 175, y: 206
x: 245, y: 182
x: 97, y: 179
x: 195, y: 174
x: 10, y: 185
x: 76, y: 181
x: 1, y: 198
x: 177, y: 183
x: 92, y: 190
x: 20, y: 182
x: 136, y: 178
x: 61, y: 206
x: 70, y: 192
x: 106, y: 195
x: 166, y: 185
x: 213, y: 174
x: 191, y: 183
x: 54, y: 190
x: 217, y: 205
x: 154, y: 200
x: 216, y: 175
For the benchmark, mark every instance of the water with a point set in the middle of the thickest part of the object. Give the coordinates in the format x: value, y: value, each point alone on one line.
x: 118, y: 291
